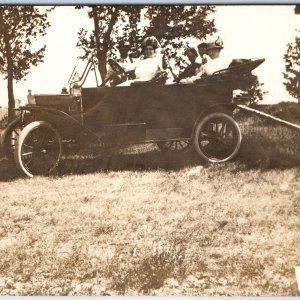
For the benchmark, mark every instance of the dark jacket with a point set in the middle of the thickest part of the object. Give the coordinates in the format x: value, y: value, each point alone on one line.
x: 189, y: 71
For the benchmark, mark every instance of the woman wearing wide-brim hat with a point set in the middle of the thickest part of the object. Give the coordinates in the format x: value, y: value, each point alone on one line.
x: 213, y: 62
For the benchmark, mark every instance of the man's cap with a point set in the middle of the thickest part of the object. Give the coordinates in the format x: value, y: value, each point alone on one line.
x: 202, y: 45
x: 124, y: 44
x: 192, y: 50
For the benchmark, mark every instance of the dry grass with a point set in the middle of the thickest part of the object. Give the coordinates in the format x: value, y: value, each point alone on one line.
x: 144, y: 223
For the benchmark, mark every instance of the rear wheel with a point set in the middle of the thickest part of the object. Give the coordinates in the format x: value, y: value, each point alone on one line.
x: 217, y: 137
x: 38, y: 149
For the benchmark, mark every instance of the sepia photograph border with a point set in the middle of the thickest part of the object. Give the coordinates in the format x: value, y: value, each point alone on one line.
x: 157, y: 2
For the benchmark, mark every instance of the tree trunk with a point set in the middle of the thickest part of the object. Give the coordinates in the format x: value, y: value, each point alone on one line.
x: 102, y: 65
x: 11, y: 99
x: 298, y: 90
x: 10, y: 78
x: 100, y: 55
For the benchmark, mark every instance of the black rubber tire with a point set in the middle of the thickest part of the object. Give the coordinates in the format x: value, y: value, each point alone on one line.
x: 38, y: 149
x: 217, y: 137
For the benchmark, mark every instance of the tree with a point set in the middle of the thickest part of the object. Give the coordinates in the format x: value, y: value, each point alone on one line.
x: 20, y: 27
x: 255, y: 92
x: 172, y: 25
x: 109, y: 22
x: 292, y: 68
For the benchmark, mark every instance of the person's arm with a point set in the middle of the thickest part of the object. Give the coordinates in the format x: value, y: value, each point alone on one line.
x: 192, y: 79
x: 109, y: 73
x: 183, y: 74
x: 205, y: 59
x: 189, y: 80
x: 128, y: 66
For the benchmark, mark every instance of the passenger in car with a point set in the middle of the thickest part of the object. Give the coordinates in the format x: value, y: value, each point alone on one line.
x: 125, y: 57
x: 192, y: 68
x: 149, y: 65
x: 202, y: 50
x: 214, y: 62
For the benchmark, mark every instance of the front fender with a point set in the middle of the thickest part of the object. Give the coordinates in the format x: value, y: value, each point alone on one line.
x: 8, y: 129
x: 69, y: 127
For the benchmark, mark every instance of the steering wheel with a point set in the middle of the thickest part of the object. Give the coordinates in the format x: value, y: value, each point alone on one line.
x: 118, y: 72
x: 116, y: 67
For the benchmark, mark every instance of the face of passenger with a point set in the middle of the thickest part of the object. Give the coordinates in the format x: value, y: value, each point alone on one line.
x: 149, y: 51
x: 214, y: 53
x: 202, y: 51
x: 191, y: 56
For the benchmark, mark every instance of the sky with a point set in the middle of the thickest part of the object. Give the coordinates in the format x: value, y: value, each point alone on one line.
x: 248, y: 31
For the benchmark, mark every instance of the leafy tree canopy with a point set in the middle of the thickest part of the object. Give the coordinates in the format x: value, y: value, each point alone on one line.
x: 170, y: 24
x: 21, y: 26
x: 292, y: 68
x: 255, y: 92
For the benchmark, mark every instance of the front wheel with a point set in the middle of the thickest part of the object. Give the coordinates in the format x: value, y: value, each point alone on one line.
x: 217, y: 137
x: 181, y: 146
x: 38, y: 149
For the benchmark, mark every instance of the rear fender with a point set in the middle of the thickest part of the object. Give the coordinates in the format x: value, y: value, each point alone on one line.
x: 226, y: 108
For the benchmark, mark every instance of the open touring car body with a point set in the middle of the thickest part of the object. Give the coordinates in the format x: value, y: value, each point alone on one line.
x: 145, y: 112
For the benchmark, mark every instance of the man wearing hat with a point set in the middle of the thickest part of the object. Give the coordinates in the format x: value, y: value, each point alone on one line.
x: 124, y: 48
x: 214, y: 62
x: 192, y: 68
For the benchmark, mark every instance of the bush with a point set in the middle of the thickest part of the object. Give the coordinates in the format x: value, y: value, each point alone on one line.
x: 287, y: 111
x: 3, y: 117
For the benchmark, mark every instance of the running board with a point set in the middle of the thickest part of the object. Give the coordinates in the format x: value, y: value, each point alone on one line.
x: 269, y: 117
x: 163, y: 134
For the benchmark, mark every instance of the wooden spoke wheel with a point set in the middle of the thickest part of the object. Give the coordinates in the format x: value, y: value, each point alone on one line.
x: 217, y: 137
x: 181, y: 146
x: 38, y: 149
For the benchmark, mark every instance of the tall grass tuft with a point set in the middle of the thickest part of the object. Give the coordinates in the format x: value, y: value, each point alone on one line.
x: 147, y: 271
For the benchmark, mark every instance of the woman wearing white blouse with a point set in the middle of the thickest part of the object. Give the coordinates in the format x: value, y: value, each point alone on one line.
x: 146, y: 68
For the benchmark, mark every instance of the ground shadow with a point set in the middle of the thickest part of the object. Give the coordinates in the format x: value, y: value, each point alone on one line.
x: 8, y: 170
x: 147, y: 161
x: 88, y: 163
x: 255, y: 153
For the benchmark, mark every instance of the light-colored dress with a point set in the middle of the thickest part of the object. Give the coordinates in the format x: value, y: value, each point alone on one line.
x: 144, y: 69
x: 210, y: 67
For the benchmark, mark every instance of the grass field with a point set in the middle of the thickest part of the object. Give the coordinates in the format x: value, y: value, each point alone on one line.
x: 140, y: 222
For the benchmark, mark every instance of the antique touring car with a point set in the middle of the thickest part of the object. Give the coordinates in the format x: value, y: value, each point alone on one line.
x: 175, y: 117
